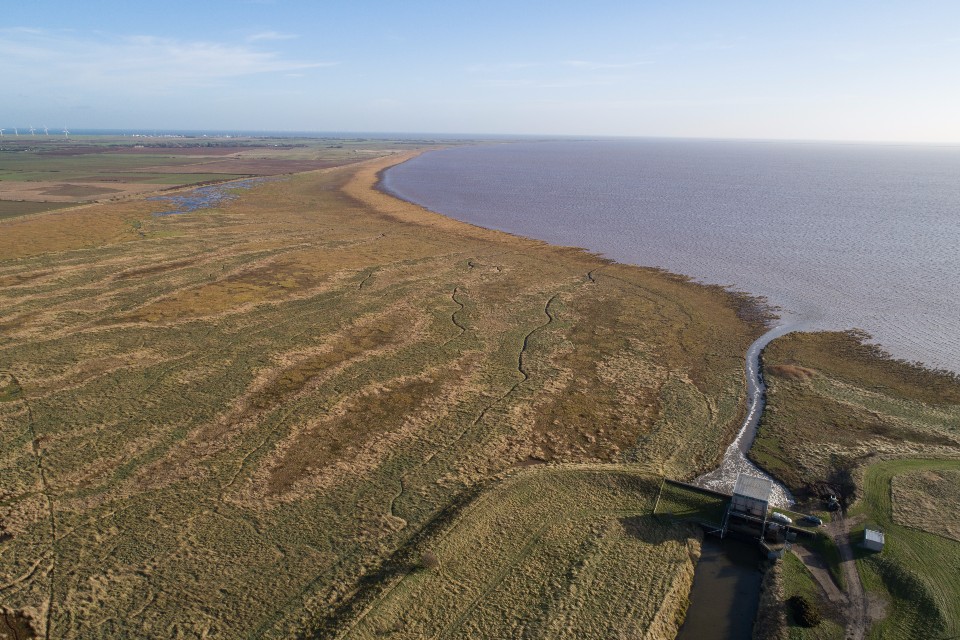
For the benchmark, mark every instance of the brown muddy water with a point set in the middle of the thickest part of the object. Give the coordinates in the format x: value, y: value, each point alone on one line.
x: 726, y: 592
x: 840, y: 236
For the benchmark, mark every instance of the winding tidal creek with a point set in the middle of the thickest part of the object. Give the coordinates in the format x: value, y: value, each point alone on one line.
x: 735, y: 461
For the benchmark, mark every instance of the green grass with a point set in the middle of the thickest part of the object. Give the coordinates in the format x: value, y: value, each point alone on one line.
x: 824, y: 545
x: 917, y: 572
x: 683, y: 503
x: 797, y: 581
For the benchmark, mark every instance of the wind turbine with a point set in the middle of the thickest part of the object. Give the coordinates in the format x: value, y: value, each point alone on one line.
x: 66, y: 134
x: 45, y: 132
x: 1, y: 132
x: 33, y: 131
x: 16, y: 132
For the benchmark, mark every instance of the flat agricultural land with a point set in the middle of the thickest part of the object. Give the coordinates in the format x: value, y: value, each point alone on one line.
x: 39, y: 173
x: 246, y: 420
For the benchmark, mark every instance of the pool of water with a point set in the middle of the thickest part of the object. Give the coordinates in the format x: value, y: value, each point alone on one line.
x: 203, y: 197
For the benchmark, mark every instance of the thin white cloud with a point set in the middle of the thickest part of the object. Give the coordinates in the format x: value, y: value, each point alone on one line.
x: 595, y: 66
x: 557, y: 83
x: 67, y: 59
x: 502, y: 66
x: 271, y: 36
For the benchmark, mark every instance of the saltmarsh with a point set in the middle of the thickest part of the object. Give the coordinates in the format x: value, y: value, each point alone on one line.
x: 885, y: 435
x: 243, y: 421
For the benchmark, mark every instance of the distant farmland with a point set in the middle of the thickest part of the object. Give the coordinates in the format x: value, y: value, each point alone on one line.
x: 40, y: 173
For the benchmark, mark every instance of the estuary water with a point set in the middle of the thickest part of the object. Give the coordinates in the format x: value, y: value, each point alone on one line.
x: 838, y: 236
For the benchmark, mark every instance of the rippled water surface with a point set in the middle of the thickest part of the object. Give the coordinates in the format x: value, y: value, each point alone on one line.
x: 839, y: 236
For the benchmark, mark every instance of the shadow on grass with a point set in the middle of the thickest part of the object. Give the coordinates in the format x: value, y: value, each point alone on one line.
x: 650, y: 529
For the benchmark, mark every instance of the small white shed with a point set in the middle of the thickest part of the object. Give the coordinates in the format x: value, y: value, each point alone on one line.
x: 873, y: 540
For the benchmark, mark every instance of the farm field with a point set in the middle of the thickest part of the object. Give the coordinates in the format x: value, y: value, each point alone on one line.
x: 244, y: 421
x: 40, y: 173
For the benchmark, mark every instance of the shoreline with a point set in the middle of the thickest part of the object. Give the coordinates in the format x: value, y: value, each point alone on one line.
x: 736, y: 456
x: 325, y: 357
x: 821, y: 297
x: 735, y: 459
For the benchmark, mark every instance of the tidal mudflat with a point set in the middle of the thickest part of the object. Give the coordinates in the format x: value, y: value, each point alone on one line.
x: 839, y: 236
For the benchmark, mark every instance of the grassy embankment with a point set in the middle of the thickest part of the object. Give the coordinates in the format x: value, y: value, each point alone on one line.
x: 245, y: 421
x: 554, y: 552
x: 797, y: 582
x: 918, y: 572
x: 886, y: 435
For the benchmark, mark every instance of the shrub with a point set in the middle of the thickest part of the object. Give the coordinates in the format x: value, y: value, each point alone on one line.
x: 804, y: 612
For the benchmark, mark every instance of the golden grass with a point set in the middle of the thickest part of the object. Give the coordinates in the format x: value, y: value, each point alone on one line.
x: 75, y: 228
x: 928, y: 500
x: 561, y: 553
x: 228, y: 422
x: 790, y: 371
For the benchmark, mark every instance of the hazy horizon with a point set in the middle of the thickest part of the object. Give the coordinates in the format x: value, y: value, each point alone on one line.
x: 821, y: 71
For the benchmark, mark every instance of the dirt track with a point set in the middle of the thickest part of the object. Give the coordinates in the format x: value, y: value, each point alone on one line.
x: 857, y: 618
x: 821, y: 573
x: 854, y: 601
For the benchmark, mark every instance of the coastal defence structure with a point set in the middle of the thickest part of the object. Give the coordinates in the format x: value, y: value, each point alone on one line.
x: 747, y: 512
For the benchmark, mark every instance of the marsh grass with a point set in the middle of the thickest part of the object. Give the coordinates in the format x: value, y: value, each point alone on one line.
x: 562, y: 552
x: 853, y: 403
x: 229, y: 421
x: 928, y: 500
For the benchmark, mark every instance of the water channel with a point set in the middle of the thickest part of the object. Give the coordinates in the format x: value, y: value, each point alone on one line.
x: 726, y: 592
x: 726, y: 584
x: 735, y: 461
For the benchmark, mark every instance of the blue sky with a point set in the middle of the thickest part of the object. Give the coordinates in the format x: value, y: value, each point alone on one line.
x: 835, y: 70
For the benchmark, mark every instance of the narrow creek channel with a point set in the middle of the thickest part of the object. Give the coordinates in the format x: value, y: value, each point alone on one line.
x: 735, y: 461
x: 726, y: 582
